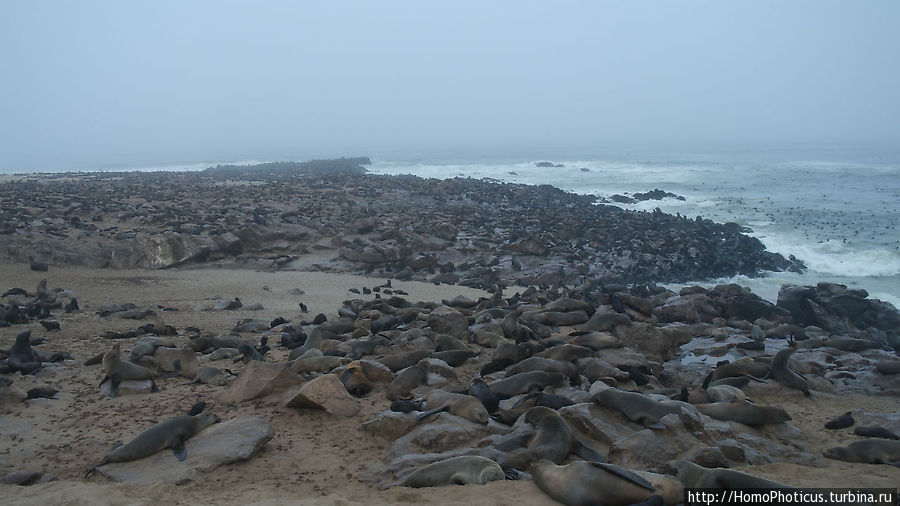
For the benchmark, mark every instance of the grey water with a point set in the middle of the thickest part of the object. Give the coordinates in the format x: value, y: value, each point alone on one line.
x: 838, y: 211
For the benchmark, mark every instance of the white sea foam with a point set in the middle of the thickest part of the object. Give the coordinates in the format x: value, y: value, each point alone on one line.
x: 835, y: 258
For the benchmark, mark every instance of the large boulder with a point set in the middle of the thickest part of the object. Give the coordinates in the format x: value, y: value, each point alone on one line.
x: 325, y: 392
x: 839, y: 310
x: 259, y: 379
x: 444, y: 432
x: 446, y: 320
x: 658, y: 344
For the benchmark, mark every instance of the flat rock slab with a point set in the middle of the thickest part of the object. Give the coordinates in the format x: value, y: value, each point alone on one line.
x: 223, y: 443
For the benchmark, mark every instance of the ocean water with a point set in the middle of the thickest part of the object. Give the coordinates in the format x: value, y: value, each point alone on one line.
x: 840, y: 215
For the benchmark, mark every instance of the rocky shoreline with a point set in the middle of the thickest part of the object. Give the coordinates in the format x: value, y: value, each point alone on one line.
x: 505, y: 316
x: 478, y: 233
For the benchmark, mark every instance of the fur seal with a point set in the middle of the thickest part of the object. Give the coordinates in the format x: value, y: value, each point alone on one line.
x: 481, y: 390
x: 841, y: 422
x: 742, y: 367
x: 361, y: 376
x: 37, y: 265
x: 464, y: 470
x: 405, y: 381
x: 398, y: 361
x: 725, y: 393
x: 543, y: 364
x: 454, y: 358
x: 524, y: 382
x: 210, y: 376
x: 594, y: 340
x: 735, y: 381
x: 593, y: 483
x: 462, y: 405
x: 879, y: 432
x: 781, y: 371
x: 50, y: 325
x: 566, y: 352
x: 22, y: 356
x: 693, y: 476
x: 552, y: 440
x: 41, y: 393
x: 744, y: 412
x: 638, y: 407
x: 407, y: 405
x: 324, y: 363
x: 116, y: 370
x: 868, y: 451
x: 223, y: 353
x: 171, y: 433
x: 72, y: 305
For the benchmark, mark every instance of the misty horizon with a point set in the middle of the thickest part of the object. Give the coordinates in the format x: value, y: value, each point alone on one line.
x: 94, y: 85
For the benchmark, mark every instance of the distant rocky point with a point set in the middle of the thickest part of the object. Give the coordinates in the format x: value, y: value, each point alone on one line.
x: 333, y: 167
x: 655, y: 194
x: 548, y: 164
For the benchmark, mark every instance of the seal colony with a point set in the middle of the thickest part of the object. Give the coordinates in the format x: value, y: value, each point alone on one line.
x: 563, y: 387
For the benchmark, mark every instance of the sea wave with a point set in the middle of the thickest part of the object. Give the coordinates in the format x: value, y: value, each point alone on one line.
x: 836, y: 258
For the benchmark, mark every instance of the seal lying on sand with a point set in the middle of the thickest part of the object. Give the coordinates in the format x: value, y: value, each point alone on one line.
x: 868, y: 451
x: 694, y: 476
x: 465, y: 470
x: 591, y: 483
x: 744, y: 412
x: 171, y: 433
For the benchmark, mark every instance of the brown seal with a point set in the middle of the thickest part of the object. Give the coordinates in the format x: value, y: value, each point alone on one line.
x: 464, y: 470
x: 744, y: 412
x: 117, y: 370
x: 588, y: 483
x: 463, y: 405
x: 868, y: 451
x: 405, y: 381
x: 552, y: 440
x: 694, y: 476
x: 781, y: 371
x: 171, y: 433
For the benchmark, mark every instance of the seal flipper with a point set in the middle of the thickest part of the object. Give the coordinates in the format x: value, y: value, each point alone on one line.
x: 431, y: 412
x: 114, y: 382
x: 707, y: 380
x: 626, y: 474
x: 197, y: 408
x: 587, y: 454
x: 179, y: 450
x: 153, y: 387
x: 754, y: 378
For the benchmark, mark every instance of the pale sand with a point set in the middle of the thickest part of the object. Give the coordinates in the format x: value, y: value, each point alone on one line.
x: 314, y: 458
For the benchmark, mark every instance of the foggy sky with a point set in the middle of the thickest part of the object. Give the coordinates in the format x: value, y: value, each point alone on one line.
x: 88, y: 84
